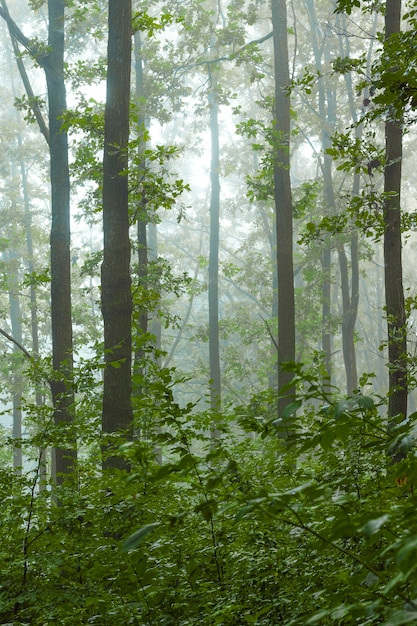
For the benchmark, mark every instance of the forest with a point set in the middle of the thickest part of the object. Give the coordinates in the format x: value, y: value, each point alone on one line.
x: 208, y: 312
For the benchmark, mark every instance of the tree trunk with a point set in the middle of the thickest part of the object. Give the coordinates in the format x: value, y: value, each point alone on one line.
x: 394, y: 294
x: 116, y: 298
x: 283, y: 203
x: 33, y: 300
x: 156, y: 326
x: 141, y: 315
x: 62, y: 392
x: 327, y: 114
x: 16, y: 326
x: 271, y: 233
x: 213, y: 269
x: 350, y: 297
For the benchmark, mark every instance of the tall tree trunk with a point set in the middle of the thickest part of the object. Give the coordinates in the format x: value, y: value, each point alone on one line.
x: 327, y: 114
x: 116, y: 297
x: 213, y: 269
x: 350, y: 299
x: 53, y: 64
x: 155, y: 326
x: 141, y: 315
x: 394, y: 294
x: 271, y: 233
x: 16, y: 326
x: 39, y: 396
x: 61, y: 386
x: 283, y: 202
x: 326, y: 309
x: 33, y: 300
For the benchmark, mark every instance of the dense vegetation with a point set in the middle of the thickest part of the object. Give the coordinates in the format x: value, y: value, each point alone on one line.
x: 208, y: 387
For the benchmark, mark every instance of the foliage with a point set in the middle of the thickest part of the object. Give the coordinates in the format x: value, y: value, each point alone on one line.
x: 319, y: 528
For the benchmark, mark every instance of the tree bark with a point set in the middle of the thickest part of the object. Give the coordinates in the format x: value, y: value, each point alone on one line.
x: 394, y: 293
x: 283, y: 203
x: 116, y: 298
x: 62, y: 392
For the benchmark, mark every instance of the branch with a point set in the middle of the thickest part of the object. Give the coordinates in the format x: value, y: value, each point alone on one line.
x: 270, y: 332
x: 17, y: 33
x: 228, y: 57
x: 33, y: 103
x: 33, y: 359
x: 17, y: 344
x: 16, y: 36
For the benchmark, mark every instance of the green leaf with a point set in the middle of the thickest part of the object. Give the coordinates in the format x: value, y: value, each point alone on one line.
x: 406, y: 556
x: 373, y: 525
x: 136, y: 539
x: 207, y: 508
x: 291, y: 408
x: 401, y: 617
x: 365, y: 402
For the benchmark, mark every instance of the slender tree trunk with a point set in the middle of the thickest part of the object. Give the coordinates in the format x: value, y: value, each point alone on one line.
x: 142, y: 219
x: 33, y: 304
x: 61, y: 386
x: 53, y: 64
x: 350, y: 297
x: 326, y: 333
x: 394, y: 293
x: 116, y: 299
x: 271, y: 233
x: 155, y: 325
x: 351, y: 300
x: 213, y: 269
x: 16, y: 326
x: 33, y: 300
x: 283, y: 202
x: 327, y: 113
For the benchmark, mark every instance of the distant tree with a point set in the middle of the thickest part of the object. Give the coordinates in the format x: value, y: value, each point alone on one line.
x: 116, y: 298
x: 213, y: 268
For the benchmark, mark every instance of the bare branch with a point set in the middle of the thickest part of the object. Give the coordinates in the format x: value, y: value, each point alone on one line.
x: 17, y: 344
x: 270, y: 332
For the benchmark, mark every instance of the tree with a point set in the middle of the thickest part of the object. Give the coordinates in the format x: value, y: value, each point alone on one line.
x: 116, y: 297
x: 53, y: 64
x: 213, y: 269
x: 62, y: 393
x: 283, y: 200
x: 394, y: 292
